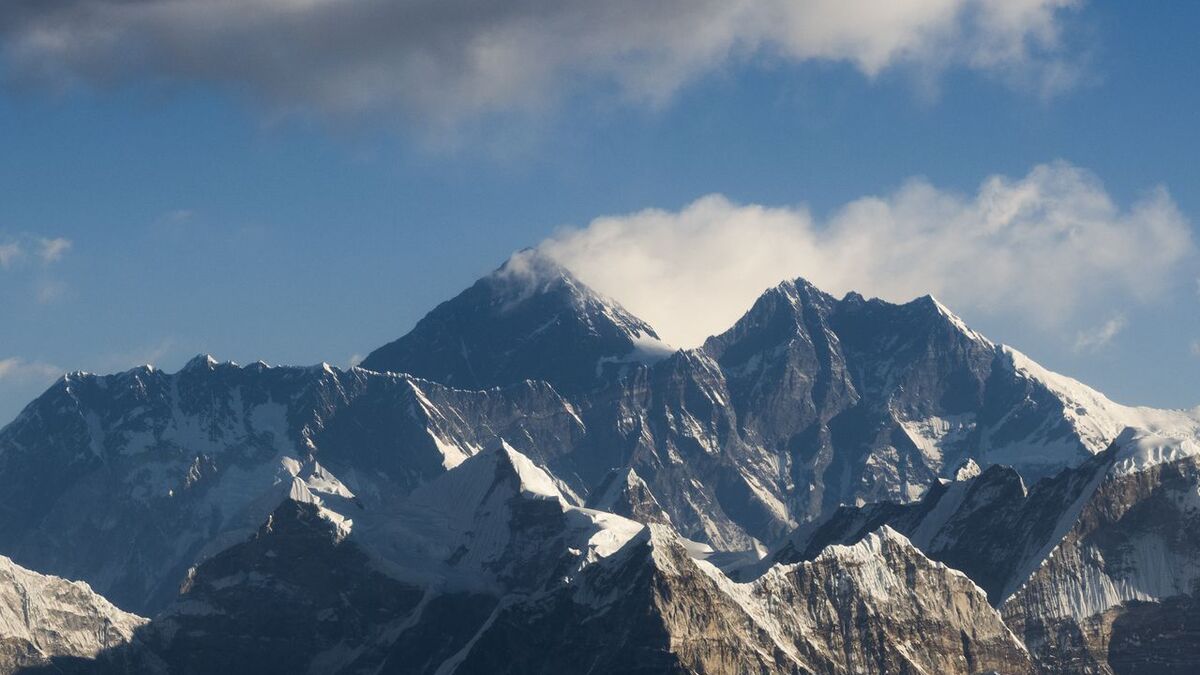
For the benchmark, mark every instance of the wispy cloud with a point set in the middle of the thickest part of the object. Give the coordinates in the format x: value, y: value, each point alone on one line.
x: 1100, y: 336
x: 9, y: 254
x: 52, y: 250
x: 1052, y: 248
x: 15, y: 369
x: 455, y: 58
x: 47, y: 250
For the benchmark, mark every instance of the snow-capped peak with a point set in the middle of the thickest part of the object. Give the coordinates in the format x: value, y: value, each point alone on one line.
x: 957, y: 322
x: 44, y: 616
x: 530, y: 319
x: 200, y: 362
x: 532, y: 479
x: 1098, y: 420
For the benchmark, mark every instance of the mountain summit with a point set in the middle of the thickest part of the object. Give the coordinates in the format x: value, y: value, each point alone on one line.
x: 529, y: 319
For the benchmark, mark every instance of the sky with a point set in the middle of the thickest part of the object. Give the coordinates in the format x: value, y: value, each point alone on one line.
x: 300, y: 181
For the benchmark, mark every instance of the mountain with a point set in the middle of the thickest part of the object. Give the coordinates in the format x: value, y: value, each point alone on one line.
x: 175, y: 467
x: 44, y: 617
x: 299, y: 597
x: 311, y: 591
x: 530, y: 319
x: 1096, y: 568
x: 530, y: 466
x: 877, y: 607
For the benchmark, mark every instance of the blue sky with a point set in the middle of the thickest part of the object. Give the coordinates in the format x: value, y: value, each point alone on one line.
x: 249, y: 217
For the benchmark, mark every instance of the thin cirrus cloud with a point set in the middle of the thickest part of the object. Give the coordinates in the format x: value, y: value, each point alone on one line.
x: 46, y: 250
x: 21, y: 254
x: 1101, y: 336
x: 10, y: 252
x: 22, y: 370
x: 1052, y: 248
x: 457, y: 58
x: 52, y: 250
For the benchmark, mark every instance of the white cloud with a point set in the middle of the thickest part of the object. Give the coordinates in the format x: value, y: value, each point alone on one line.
x: 461, y: 57
x: 1100, y: 336
x: 16, y: 369
x: 10, y: 253
x: 1049, y: 248
x: 52, y: 250
x: 46, y: 249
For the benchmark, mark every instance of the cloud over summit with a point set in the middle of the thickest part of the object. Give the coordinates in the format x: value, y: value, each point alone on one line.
x: 1051, y: 247
x: 457, y: 58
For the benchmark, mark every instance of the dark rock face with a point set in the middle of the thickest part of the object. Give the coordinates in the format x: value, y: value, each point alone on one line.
x: 285, y: 601
x: 626, y: 494
x: 1154, y: 637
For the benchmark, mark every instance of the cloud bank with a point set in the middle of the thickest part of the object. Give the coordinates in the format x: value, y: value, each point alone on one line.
x: 1051, y: 247
x: 437, y: 58
x: 24, y: 371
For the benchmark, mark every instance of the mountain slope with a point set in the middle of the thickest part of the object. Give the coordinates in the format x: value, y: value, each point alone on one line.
x: 44, y: 617
x: 877, y: 607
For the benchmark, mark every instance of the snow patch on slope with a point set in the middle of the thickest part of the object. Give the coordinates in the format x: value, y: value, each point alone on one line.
x: 1099, y: 420
x: 1140, y: 450
x: 491, y: 519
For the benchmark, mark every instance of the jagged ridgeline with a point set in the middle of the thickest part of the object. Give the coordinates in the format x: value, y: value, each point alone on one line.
x: 531, y: 481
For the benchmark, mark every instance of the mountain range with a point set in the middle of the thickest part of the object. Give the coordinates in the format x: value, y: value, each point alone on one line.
x: 532, y: 481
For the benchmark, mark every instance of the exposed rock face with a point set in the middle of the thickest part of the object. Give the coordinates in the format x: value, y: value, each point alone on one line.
x: 626, y: 494
x: 1119, y: 592
x: 43, y: 617
x: 882, y: 606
